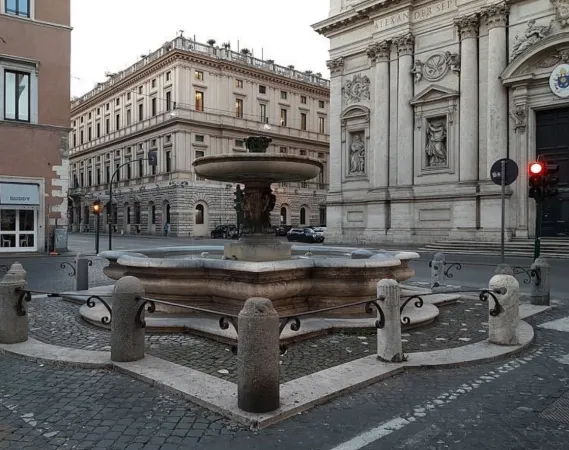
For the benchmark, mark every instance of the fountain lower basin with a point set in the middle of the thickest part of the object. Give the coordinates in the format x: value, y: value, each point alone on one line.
x: 197, y: 276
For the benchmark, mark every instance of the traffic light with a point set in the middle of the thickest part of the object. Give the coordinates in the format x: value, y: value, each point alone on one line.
x: 97, y: 207
x: 551, y: 181
x: 537, y: 173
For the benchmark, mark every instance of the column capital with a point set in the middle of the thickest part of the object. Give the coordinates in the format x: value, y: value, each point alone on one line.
x: 336, y: 66
x: 404, y: 44
x: 468, y: 26
x: 496, y: 15
x: 379, y: 51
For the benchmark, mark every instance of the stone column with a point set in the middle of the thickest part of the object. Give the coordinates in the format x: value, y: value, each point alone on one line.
x: 405, y: 46
x: 81, y: 272
x: 13, y: 320
x: 380, y: 127
x: 127, y: 336
x: 468, y: 141
x: 336, y: 67
x: 258, y: 363
x: 389, y: 346
x: 540, y: 292
x: 503, y: 327
x: 497, y: 97
x: 393, y: 89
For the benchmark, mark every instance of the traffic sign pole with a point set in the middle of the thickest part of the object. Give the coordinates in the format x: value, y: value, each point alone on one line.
x: 503, y: 227
x: 537, y: 240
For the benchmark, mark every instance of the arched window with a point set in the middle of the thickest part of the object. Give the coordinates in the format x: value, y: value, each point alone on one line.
x: 168, y: 213
x: 199, y: 215
x: 128, y: 215
x: 283, y: 215
x: 153, y: 214
x: 303, y: 216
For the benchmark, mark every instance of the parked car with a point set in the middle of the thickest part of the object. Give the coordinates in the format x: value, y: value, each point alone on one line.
x: 225, y: 232
x: 304, y: 235
x: 320, y: 231
x: 282, y: 230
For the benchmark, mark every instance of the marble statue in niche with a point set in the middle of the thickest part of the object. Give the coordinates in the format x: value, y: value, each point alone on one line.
x: 356, y: 89
x: 532, y: 35
x: 357, y: 154
x: 436, y: 148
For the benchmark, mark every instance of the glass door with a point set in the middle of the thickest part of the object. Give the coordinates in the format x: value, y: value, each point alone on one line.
x: 18, y: 228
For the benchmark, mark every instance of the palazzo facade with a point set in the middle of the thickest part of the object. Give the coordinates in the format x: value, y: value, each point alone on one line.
x: 425, y: 97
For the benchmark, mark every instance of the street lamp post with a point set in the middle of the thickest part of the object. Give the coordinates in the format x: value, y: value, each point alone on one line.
x: 97, y: 210
x: 152, y: 162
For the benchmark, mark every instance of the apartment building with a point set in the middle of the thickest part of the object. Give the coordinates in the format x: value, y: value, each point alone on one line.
x: 184, y: 101
x: 35, y: 47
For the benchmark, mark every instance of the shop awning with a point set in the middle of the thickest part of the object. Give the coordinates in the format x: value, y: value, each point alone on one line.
x: 19, y: 194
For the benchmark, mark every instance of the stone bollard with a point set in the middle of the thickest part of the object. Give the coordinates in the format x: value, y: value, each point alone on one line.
x: 503, y: 327
x: 258, y: 357
x: 81, y: 273
x: 13, y: 326
x: 438, y: 270
x: 389, y: 346
x: 540, y: 293
x: 127, y: 336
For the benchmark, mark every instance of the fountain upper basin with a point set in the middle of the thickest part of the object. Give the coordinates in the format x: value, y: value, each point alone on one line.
x: 259, y: 167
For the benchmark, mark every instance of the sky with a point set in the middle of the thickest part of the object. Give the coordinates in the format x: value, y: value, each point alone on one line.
x: 110, y: 35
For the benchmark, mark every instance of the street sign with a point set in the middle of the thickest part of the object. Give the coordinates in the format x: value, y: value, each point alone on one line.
x: 511, y: 169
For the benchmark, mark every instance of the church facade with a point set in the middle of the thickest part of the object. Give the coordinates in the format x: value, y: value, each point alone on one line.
x: 425, y: 97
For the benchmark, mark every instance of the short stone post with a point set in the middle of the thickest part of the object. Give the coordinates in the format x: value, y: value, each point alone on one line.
x: 127, y: 336
x: 541, y: 288
x: 81, y: 273
x: 389, y: 346
x: 258, y: 363
x: 13, y: 325
x: 503, y: 327
x: 438, y: 270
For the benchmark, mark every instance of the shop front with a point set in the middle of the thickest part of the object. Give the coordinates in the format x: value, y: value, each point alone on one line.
x: 19, y: 211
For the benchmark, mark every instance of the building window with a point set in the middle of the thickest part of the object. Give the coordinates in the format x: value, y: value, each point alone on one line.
x: 107, y: 125
x: 128, y: 117
x: 107, y: 106
x: 117, y: 121
x: 89, y: 116
x: 303, y: 216
x: 153, y: 215
x: 263, y: 110
x: 140, y: 112
x: 137, y: 213
x: 74, y: 140
x: 322, y: 214
x: 303, y: 99
x: 199, y: 75
x: 303, y: 153
x: 140, y: 89
x: 153, y: 143
x: 98, y: 111
x: 239, y: 84
x: 199, y: 101
x: 321, y: 125
x: 168, y: 162
x: 321, y: 103
x: 199, y: 154
x: 140, y: 168
x: 199, y: 215
x: 128, y: 171
x: 262, y: 89
x: 168, y: 100
x: 321, y: 156
x: 153, y: 83
x: 303, y: 121
x: 284, y: 95
x: 168, y: 76
x: 98, y: 129
x: 168, y: 138
x: 199, y: 138
x: 239, y: 143
x: 118, y: 102
x: 90, y: 178
x: 127, y: 212
x: 128, y: 96
x: 18, y: 7
x: 283, y: 149
x: 98, y: 176
x: 81, y: 138
x: 153, y: 106
x: 89, y: 134
x: 82, y: 119
x: 283, y: 117
x: 239, y: 108
x: 17, y: 96
x: 108, y: 174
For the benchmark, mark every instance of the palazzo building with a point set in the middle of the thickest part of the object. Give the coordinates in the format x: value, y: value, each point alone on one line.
x: 35, y: 48
x: 425, y: 97
x: 184, y: 101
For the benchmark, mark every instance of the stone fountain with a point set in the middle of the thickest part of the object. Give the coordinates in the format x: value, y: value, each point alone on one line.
x: 296, y: 278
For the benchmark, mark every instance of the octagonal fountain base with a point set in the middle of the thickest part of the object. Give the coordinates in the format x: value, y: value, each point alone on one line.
x: 257, y: 248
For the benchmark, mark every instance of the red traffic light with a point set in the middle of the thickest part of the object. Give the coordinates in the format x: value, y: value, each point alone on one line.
x: 537, y: 168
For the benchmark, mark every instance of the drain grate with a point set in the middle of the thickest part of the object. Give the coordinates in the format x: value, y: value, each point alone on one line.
x: 559, y: 410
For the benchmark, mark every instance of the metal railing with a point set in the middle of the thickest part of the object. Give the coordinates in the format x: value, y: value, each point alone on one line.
x: 73, y: 267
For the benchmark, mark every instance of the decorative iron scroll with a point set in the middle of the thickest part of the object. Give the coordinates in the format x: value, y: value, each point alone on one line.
x: 405, y: 320
x: 105, y: 320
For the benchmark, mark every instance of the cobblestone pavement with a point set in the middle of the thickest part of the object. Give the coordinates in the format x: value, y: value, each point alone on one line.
x: 57, y: 322
x: 488, y: 406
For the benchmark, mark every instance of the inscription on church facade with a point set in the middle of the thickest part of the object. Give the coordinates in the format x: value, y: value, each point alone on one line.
x: 424, y: 13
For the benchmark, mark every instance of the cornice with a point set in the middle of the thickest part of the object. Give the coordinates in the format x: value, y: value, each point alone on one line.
x: 177, y: 55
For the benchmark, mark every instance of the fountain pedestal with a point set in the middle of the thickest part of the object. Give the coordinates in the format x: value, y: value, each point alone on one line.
x: 258, y: 248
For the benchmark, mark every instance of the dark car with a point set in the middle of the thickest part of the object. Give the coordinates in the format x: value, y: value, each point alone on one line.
x: 282, y: 230
x: 304, y: 235
x: 225, y: 232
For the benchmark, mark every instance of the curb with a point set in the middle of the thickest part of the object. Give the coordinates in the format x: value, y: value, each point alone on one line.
x: 297, y: 396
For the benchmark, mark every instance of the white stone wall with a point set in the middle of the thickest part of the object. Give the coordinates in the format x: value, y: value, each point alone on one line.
x: 429, y: 63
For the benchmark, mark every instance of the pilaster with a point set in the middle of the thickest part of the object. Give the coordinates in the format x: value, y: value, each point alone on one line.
x: 336, y: 67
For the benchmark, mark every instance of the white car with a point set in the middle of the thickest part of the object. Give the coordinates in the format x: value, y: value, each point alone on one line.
x: 320, y: 231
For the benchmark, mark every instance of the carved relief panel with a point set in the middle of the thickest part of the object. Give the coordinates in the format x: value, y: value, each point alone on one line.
x: 355, y: 142
x: 356, y: 90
